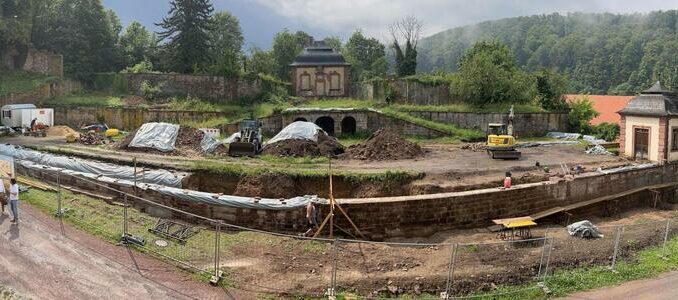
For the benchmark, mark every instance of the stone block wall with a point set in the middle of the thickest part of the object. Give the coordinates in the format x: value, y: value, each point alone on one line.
x: 419, y: 215
x: 126, y: 118
x: 404, y: 92
x: 33, y: 60
x: 216, y: 88
x: 44, y: 92
x: 524, y: 124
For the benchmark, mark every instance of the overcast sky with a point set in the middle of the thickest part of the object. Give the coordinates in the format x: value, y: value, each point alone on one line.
x: 261, y: 19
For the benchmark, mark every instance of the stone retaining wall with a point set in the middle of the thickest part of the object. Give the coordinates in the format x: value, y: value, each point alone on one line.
x: 420, y: 215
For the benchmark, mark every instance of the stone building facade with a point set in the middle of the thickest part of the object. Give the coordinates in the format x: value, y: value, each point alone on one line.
x: 649, y: 126
x: 320, y: 72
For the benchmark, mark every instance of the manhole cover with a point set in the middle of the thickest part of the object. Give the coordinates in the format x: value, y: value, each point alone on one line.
x: 161, y: 243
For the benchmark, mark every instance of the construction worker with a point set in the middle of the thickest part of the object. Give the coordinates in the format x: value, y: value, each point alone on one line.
x: 33, y: 123
x: 14, y: 200
x: 507, y: 180
x: 311, y: 218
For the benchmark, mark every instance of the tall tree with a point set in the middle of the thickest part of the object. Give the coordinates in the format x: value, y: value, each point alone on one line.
x: 227, y: 41
x: 81, y: 31
x: 138, y: 45
x: 406, y: 33
x: 367, y: 56
x: 260, y: 62
x: 187, y: 30
x: 286, y: 46
x: 489, y: 74
x: 333, y: 42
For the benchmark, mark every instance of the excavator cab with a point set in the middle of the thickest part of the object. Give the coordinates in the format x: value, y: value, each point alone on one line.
x: 501, y: 144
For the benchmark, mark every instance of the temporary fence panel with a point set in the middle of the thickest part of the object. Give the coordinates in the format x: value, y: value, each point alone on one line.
x: 640, y: 236
x: 400, y: 268
x: 571, y: 251
x: 275, y: 264
x: 479, y: 268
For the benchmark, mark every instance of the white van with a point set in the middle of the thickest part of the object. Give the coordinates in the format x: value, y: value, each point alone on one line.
x: 21, y: 115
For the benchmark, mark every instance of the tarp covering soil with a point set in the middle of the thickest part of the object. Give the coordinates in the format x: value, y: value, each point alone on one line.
x: 384, y: 144
x: 303, y: 139
x: 188, y: 142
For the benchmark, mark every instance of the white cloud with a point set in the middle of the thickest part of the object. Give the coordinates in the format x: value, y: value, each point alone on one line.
x: 374, y: 16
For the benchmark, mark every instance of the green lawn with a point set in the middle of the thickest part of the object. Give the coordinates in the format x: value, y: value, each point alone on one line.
x: 463, y: 107
x: 20, y: 81
x: 86, y: 100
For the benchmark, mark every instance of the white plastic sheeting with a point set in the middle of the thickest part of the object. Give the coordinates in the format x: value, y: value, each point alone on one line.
x: 628, y: 168
x: 191, y: 195
x: 298, y: 130
x: 548, y: 143
x: 161, y: 177
x: 160, y: 136
x: 564, y: 135
x: 598, y: 150
x: 209, y: 143
x: 584, y: 229
x: 232, y: 138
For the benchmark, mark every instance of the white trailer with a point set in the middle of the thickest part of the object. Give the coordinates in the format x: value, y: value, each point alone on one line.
x: 21, y: 115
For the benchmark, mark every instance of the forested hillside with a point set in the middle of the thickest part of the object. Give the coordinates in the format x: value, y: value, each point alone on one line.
x: 600, y: 53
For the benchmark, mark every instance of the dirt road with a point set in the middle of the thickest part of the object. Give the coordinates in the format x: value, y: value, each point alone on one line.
x: 38, y: 261
x: 665, y: 287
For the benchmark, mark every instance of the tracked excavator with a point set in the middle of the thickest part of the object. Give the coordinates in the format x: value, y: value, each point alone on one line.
x: 501, y: 142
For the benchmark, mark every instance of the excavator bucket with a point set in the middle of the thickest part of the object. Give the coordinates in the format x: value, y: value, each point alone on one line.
x: 242, y: 149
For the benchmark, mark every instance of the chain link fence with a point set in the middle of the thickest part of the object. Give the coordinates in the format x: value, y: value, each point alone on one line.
x: 289, y: 265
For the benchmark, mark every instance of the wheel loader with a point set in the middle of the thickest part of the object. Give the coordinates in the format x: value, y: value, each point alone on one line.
x: 249, y: 141
x: 501, y: 143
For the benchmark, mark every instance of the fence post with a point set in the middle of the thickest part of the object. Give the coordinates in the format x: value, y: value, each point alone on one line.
x: 616, y: 247
x: 666, y: 238
x: 331, y: 292
x: 217, y: 240
x: 60, y: 210
x: 450, y: 270
x: 543, y: 251
x: 125, y: 218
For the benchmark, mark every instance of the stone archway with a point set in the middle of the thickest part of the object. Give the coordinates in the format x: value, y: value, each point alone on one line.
x: 348, y: 125
x: 302, y: 119
x: 326, y: 123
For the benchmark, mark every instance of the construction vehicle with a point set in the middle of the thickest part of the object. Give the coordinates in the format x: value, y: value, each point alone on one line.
x: 501, y: 143
x: 249, y: 141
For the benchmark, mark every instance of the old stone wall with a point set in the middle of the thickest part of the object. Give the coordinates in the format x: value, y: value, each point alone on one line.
x: 524, y: 124
x: 126, y: 118
x: 403, y: 91
x: 33, y: 60
x: 216, y: 88
x: 418, y: 215
x: 44, y: 92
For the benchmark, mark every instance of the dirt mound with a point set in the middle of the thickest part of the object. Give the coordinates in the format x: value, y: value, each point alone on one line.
x: 326, y: 146
x: 267, y: 185
x: 92, y: 138
x: 384, y: 144
x: 61, y: 131
x: 188, y: 143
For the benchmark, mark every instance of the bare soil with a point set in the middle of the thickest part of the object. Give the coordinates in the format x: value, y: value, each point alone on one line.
x: 290, y: 267
x: 187, y: 144
x: 325, y: 146
x: 43, y: 259
x: 384, y: 144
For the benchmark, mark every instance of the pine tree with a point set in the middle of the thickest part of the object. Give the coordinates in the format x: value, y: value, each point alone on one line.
x: 187, y: 28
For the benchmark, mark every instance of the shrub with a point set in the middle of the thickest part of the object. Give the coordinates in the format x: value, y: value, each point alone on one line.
x: 149, y: 91
x: 581, y: 114
x: 606, y: 131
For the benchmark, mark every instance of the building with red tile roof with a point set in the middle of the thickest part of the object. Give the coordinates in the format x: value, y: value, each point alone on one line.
x: 607, y: 106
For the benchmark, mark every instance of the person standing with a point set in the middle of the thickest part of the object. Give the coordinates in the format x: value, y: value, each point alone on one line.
x: 3, y: 196
x: 14, y: 200
x: 507, y: 180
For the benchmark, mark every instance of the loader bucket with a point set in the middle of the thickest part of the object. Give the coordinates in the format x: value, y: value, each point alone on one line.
x: 242, y: 149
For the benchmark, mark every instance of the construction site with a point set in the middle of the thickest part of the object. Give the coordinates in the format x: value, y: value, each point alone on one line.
x: 394, y: 217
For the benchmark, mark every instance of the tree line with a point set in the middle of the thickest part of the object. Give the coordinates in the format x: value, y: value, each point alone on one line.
x: 599, y: 53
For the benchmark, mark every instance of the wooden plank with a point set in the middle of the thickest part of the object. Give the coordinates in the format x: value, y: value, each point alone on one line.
x: 559, y: 209
x: 108, y: 199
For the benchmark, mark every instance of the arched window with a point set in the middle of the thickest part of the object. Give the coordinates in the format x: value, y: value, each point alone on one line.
x: 348, y: 125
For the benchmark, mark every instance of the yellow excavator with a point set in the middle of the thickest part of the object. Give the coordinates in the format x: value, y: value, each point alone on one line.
x: 501, y: 144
